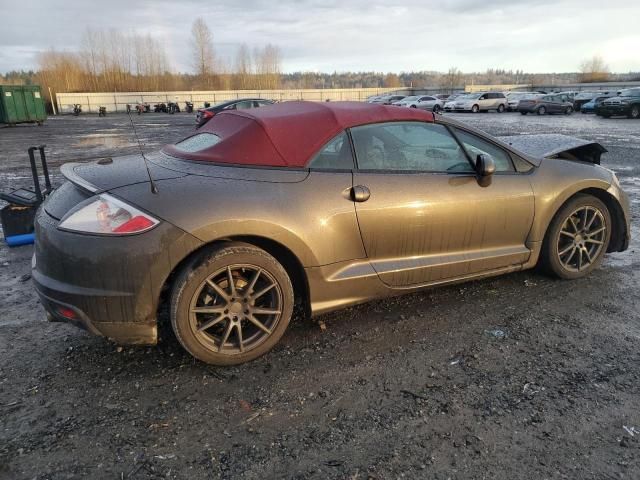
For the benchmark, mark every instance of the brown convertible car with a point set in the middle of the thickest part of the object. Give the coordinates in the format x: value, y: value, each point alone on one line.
x: 314, y: 206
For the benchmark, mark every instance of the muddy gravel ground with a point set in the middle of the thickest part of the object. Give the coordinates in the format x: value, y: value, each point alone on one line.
x: 521, y: 376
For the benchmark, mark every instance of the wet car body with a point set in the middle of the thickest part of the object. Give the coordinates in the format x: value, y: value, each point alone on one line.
x: 344, y: 235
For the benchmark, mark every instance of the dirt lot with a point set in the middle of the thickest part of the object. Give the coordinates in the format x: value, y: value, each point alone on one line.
x: 521, y: 376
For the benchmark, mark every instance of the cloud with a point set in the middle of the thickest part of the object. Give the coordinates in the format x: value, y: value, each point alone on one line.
x: 390, y: 35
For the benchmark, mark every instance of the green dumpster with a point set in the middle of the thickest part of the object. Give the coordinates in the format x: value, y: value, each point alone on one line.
x: 21, y: 104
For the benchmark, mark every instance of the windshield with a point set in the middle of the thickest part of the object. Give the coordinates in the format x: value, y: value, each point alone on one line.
x: 412, y: 97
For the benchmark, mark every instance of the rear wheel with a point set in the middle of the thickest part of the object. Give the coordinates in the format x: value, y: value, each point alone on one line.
x: 577, y: 238
x: 231, y: 306
x: 475, y: 109
x: 541, y: 111
x: 523, y: 113
x: 500, y: 108
x: 568, y: 111
x: 635, y: 111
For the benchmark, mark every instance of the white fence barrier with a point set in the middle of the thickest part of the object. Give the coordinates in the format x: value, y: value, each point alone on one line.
x: 117, y: 101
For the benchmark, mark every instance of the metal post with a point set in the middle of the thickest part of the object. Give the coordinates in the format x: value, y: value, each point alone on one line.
x: 53, y: 102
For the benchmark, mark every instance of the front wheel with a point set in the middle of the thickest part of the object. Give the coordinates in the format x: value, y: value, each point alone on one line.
x: 577, y: 238
x: 232, y: 305
x: 635, y: 112
x: 475, y: 109
x: 436, y: 109
x: 568, y: 111
x: 523, y: 113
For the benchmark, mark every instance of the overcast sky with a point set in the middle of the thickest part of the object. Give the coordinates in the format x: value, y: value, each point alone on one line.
x: 333, y: 35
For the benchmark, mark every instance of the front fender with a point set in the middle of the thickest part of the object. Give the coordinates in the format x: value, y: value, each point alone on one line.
x: 554, y: 182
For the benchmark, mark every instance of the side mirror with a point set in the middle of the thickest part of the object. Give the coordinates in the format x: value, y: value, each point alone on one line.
x: 485, y: 165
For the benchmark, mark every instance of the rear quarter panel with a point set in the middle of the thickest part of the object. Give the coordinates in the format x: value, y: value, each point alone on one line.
x: 312, y: 216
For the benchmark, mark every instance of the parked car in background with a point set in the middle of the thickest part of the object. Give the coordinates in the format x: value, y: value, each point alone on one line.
x: 513, y: 99
x: 405, y: 101
x: 387, y: 99
x: 590, y: 106
x: 311, y: 206
x: 626, y: 103
x: 450, y: 103
x: 203, y: 115
x: 583, y: 97
x: 481, y: 102
x: 554, y: 103
x: 427, y: 102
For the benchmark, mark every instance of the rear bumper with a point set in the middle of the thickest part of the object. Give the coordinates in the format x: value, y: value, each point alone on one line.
x: 109, y: 286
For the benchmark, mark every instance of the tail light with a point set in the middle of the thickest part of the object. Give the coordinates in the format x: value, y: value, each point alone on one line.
x: 106, y: 215
x: 207, y: 114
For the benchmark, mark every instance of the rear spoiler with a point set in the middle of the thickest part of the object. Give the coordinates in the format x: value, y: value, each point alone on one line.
x: 556, y: 146
x: 68, y: 171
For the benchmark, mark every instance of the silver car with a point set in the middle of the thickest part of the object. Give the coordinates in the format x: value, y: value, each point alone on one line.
x: 483, y: 101
x: 426, y: 102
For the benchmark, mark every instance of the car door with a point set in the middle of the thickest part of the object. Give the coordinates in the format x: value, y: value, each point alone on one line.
x: 555, y: 105
x: 426, y: 103
x: 424, y: 216
x: 484, y: 102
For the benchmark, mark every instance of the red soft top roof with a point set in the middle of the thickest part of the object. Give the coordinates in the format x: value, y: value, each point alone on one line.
x: 287, y: 134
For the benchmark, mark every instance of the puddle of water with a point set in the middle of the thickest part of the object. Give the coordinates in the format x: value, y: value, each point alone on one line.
x: 109, y: 140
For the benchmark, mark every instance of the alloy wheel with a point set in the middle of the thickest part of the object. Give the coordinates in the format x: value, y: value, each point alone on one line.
x: 236, y: 309
x: 581, y: 238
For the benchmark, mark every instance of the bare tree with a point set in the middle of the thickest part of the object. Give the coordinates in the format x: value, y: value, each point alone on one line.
x: 203, y: 52
x: 243, y: 68
x: 451, y: 80
x: 594, y: 70
x: 392, y: 80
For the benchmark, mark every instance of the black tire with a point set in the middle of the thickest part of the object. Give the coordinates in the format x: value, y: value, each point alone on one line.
x: 541, y: 110
x: 436, y: 108
x: 523, y: 113
x: 500, y: 108
x: 634, y: 112
x: 550, y: 256
x: 568, y: 111
x: 413, y: 106
x: 475, y: 109
x: 605, y: 115
x: 193, y: 285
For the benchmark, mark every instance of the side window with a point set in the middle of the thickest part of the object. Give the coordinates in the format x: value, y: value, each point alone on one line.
x: 335, y: 155
x: 484, y: 97
x: 244, y: 104
x: 476, y: 145
x: 408, y: 146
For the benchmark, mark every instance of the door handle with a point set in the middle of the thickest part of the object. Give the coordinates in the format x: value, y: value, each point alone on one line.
x: 360, y: 193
